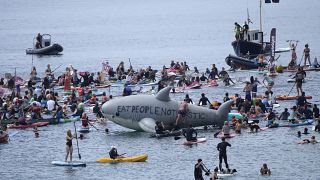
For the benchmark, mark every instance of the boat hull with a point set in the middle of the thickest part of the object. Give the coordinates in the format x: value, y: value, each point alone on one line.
x: 242, y: 63
x: 53, y: 49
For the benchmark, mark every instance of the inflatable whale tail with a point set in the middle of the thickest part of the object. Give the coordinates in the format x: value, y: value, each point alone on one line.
x: 223, y: 112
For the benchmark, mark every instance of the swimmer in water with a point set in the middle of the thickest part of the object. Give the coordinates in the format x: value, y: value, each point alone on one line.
x: 265, y: 170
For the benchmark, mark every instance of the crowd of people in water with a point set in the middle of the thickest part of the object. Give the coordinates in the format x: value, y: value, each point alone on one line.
x: 68, y: 94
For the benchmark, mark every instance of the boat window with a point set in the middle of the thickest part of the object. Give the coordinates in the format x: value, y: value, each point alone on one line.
x: 248, y: 37
x: 256, y: 36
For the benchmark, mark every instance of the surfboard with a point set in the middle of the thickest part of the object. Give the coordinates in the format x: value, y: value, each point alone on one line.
x: 70, y: 164
x: 199, y: 140
x: 231, y: 135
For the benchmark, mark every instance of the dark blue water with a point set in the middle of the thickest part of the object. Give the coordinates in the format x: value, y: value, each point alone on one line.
x: 153, y: 33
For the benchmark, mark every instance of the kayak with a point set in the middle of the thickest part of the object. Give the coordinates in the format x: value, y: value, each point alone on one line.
x: 199, y: 140
x: 84, y: 129
x: 307, y: 122
x: 39, y: 124
x: 72, y: 164
x: 284, y: 97
x: 175, y: 133
x: 140, y: 158
x: 231, y: 135
x: 103, y: 86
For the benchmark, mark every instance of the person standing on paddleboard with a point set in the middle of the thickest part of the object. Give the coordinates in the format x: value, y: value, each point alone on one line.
x: 198, y: 168
x: 306, y: 53
x: 299, y: 77
x: 222, y: 148
x: 69, y: 148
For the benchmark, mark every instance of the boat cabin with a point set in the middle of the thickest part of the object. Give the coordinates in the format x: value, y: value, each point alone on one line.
x: 46, y: 40
x: 253, y: 35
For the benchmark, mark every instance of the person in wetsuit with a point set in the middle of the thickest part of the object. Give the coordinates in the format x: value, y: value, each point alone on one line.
x: 222, y: 148
x: 113, y: 153
x: 265, y: 170
x: 69, y: 148
x: 302, y: 101
x: 188, y: 99
x: 203, y: 100
x: 198, y: 168
x: 188, y: 133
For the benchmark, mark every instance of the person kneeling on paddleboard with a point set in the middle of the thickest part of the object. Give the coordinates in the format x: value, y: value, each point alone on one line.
x: 113, y: 153
x: 222, y: 148
x: 265, y: 170
x: 188, y: 133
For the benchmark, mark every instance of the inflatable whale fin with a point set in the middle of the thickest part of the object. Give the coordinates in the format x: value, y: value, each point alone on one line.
x: 163, y: 94
x: 147, y: 124
x: 223, y: 112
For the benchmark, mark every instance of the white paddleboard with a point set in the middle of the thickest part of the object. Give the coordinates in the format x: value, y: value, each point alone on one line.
x: 71, y: 164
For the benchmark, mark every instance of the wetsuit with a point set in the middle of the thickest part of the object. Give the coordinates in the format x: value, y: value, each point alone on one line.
x: 113, y: 153
x: 203, y: 101
x: 159, y: 129
x: 222, y: 148
x: 301, y: 101
x: 198, y: 172
x: 188, y: 133
x: 188, y: 100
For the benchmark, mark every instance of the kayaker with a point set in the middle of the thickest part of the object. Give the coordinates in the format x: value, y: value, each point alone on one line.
x: 284, y: 115
x: 69, y: 148
x: 198, y: 168
x: 226, y: 129
x: 188, y: 134
x: 113, y: 153
x: 265, y: 170
x: 182, y: 113
x: 203, y: 100
x: 84, y: 120
x: 222, y: 148
x: 299, y: 77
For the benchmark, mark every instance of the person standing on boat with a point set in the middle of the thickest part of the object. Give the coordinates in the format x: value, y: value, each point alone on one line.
x: 245, y: 28
x: 237, y: 30
x: 39, y: 41
x: 300, y: 75
x: 306, y: 53
x: 69, y: 148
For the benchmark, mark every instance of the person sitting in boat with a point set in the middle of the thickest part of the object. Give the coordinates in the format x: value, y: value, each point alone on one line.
x: 315, y: 63
x: 307, y: 141
x: 190, y: 134
x: 84, y: 120
x: 79, y: 109
x: 265, y: 170
x: 39, y: 41
x: 226, y: 129
x: 113, y: 153
x: 59, y: 114
x: 294, y: 115
x: 284, y: 115
x: 252, y: 112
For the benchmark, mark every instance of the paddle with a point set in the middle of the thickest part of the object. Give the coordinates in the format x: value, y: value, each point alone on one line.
x: 93, y: 125
x: 75, y: 129
x: 292, y: 88
x: 216, y: 134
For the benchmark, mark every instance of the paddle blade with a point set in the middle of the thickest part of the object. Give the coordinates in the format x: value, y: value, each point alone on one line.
x: 79, y: 156
x: 177, y: 137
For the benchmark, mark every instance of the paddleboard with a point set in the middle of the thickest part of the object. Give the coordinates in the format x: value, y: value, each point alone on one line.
x: 231, y: 135
x: 84, y: 130
x: 199, y: 140
x: 70, y: 164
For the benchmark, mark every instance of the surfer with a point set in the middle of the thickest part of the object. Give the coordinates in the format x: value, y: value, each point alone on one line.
x: 198, y: 168
x: 188, y: 134
x: 265, y: 170
x: 222, y: 148
x: 203, y: 100
x: 69, y: 148
x: 113, y: 153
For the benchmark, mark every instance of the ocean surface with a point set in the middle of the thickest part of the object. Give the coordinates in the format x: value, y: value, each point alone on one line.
x: 153, y: 33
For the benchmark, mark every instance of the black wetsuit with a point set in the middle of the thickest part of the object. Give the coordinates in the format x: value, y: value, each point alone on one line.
x: 222, y: 148
x: 203, y: 78
x: 188, y: 100
x: 113, y: 153
x: 203, y: 101
x: 301, y: 101
x: 198, y: 172
x: 188, y: 133
x: 159, y: 129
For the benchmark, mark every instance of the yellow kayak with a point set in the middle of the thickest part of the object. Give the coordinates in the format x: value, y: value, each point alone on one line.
x: 140, y: 158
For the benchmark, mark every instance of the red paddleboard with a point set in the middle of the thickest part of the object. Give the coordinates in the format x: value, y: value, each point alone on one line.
x: 199, y: 140
x: 39, y: 124
x: 282, y: 98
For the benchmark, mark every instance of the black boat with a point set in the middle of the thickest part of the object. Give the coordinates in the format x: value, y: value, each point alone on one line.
x: 236, y: 62
x: 46, y: 47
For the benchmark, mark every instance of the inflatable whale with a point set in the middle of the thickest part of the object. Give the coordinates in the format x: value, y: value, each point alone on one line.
x: 140, y: 112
